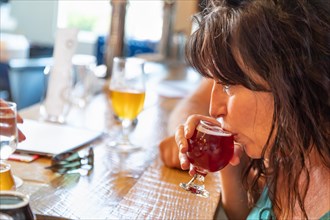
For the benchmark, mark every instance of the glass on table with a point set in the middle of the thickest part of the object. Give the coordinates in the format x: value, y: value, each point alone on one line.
x: 126, y: 93
x: 8, y: 144
x: 209, y: 150
x: 56, y: 104
x: 83, y: 79
x: 15, y: 205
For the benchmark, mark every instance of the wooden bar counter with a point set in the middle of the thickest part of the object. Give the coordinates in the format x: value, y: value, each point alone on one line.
x: 120, y: 186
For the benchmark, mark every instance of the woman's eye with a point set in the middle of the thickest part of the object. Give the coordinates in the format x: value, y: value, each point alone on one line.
x: 226, y: 89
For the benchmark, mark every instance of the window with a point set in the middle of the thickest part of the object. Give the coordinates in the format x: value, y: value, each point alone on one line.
x: 144, y: 20
x: 143, y: 27
x: 91, y: 17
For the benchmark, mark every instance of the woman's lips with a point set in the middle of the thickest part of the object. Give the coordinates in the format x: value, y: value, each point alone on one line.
x: 226, y: 130
x: 235, y: 135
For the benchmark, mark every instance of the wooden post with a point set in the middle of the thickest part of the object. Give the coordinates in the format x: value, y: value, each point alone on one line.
x: 167, y: 32
x: 115, y: 40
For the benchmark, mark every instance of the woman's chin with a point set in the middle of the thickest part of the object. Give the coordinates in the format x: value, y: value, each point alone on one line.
x: 251, y: 152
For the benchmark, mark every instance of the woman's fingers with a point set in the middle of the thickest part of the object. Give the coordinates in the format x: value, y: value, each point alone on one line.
x: 8, y: 120
x: 21, y: 136
x: 19, y: 119
x: 169, y: 152
x: 180, y: 139
x: 182, y: 143
x: 9, y: 131
x: 184, y: 161
x: 192, y: 171
x: 2, y: 103
x: 193, y: 121
x: 191, y: 124
x: 6, y: 124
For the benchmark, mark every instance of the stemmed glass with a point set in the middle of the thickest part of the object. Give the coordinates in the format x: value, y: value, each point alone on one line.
x: 8, y: 143
x: 209, y: 150
x: 126, y: 94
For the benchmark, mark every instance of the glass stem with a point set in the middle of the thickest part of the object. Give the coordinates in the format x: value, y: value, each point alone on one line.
x: 200, y: 179
x: 192, y: 180
x: 126, y: 126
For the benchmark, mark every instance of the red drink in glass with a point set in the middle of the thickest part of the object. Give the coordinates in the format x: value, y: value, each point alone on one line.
x: 210, y: 149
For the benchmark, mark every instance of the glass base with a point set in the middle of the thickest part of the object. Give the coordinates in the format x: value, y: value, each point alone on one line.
x: 18, y: 182
x: 7, y: 180
x: 44, y: 115
x: 123, y: 147
x: 195, y: 189
x: 54, y: 119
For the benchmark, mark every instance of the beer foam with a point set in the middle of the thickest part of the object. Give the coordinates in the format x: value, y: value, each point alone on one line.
x: 217, y: 131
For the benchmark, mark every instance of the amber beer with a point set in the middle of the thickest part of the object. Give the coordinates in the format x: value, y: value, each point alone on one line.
x: 7, y: 181
x: 127, y: 104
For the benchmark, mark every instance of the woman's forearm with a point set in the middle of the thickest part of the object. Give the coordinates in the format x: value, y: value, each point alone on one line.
x: 197, y: 103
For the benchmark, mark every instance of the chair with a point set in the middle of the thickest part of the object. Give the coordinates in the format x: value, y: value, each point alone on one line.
x: 5, y: 92
x: 27, y: 80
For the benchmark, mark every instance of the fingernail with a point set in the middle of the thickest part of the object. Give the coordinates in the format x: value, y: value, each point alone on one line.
x: 182, y: 150
x: 183, y: 164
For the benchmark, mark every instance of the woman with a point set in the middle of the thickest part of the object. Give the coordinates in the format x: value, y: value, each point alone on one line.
x: 270, y: 62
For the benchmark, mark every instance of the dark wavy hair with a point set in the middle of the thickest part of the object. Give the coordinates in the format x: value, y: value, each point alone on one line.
x: 287, y: 43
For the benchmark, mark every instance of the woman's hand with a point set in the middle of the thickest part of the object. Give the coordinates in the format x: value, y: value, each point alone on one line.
x: 21, y: 136
x: 169, y: 152
x: 186, y: 131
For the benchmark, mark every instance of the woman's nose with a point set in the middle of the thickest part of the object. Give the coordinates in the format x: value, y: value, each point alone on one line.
x: 218, y: 103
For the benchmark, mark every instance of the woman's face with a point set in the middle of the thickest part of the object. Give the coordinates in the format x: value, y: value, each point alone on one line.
x: 245, y: 113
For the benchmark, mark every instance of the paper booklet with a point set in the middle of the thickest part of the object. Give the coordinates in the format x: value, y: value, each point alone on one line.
x: 49, y: 139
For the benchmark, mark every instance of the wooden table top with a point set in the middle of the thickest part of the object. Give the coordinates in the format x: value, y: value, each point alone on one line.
x: 131, y: 186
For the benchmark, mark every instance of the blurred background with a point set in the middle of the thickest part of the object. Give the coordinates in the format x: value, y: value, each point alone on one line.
x: 153, y: 29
